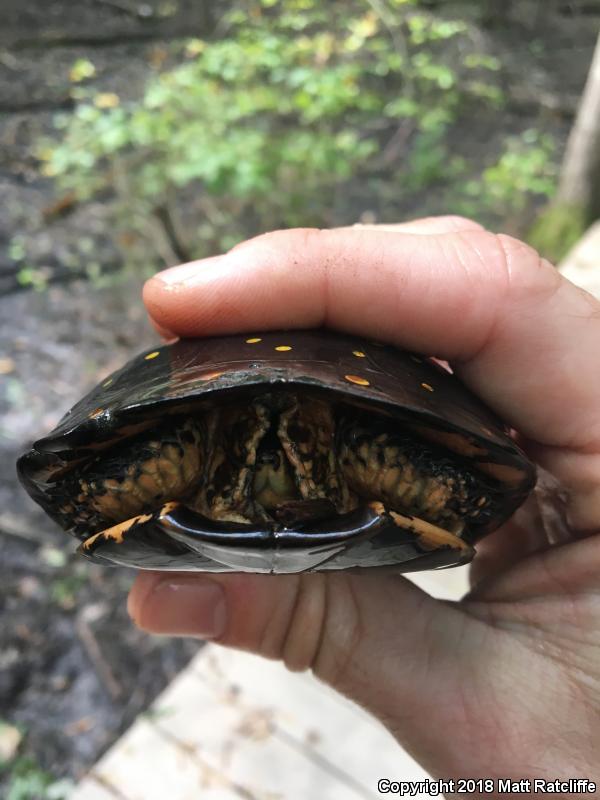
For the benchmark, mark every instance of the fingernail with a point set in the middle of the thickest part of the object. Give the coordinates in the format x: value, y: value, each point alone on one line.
x: 192, y: 273
x: 186, y: 606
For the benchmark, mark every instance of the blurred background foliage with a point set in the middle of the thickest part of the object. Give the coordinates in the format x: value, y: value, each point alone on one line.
x: 298, y: 112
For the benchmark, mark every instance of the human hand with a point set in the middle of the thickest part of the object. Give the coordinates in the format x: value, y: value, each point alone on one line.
x: 505, y: 682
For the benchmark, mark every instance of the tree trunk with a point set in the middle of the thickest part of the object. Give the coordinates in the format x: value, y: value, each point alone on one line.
x: 579, y: 185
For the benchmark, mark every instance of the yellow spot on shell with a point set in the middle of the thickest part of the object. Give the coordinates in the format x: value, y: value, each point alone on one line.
x: 256, y: 340
x: 357, y: 379
x: 358, y: 354
x: 107, y: 383
x: 210, y: 376
x: 96, y: 413
x: 282, y: 348
x: 152, y: 355
x: 427, y: 386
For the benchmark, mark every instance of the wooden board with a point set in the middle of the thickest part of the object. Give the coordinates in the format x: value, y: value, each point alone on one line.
x: 233, y: 725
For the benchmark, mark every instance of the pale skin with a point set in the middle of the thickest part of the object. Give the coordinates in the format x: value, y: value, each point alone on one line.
x: 506, y: 682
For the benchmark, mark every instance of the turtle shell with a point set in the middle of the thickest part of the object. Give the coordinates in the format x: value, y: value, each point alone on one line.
x: 387, y: 390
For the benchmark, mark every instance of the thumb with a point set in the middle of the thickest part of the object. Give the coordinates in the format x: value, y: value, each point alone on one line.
x: 370, y: 636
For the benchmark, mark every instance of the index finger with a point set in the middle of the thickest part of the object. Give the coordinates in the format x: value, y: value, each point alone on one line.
x: 523, y: 337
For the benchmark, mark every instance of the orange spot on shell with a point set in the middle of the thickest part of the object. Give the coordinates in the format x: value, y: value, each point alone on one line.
x: 96, y: 413
x: 357, y: 380
x: 359, y: 354
x: 152, y: 355
x: 255, y: 340
x: 427, y: 386
x: 210, y: 376
x: 282, y: 348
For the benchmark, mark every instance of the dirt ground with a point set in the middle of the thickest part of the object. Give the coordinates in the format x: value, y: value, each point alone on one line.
x: 74, y: 672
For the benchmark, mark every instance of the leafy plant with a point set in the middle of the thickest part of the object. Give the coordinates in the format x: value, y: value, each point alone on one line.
x: 263, y: 127
x: 63, y: 590
x: 27, y: 781
x: 557, y: 229
x: 526, y: 167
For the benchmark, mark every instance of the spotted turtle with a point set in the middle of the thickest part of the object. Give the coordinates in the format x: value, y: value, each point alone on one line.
x: 278, y: 452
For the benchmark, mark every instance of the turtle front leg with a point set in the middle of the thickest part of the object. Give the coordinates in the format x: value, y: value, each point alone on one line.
x: 137, y: 476
x: 411, y: 476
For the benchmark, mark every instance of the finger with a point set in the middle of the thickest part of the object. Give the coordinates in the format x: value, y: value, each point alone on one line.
x: 509, y: 544
x: 425, y: 225
x: 522, y: 336
x: 423, y: 667
x: 564, y: 573
x: 344, y: 627
x: 450, y: 223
